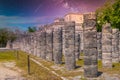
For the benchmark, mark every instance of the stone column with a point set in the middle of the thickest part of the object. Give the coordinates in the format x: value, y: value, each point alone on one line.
x: 107, y: 46
x: 32, y: 43
x: 40, y: 41
x: 69, y: 45
x: 81, y: 42
x: 35, y: 44
x: 77, y: 46
x: 43, y: 44
x: 119, y: 46
x: 90, y: 46
x: 99, y: 45
x: 57, y: 45
x: 38, y: 44
x: 49, y: 44
x: 28, y: 43
x: 115, y: 45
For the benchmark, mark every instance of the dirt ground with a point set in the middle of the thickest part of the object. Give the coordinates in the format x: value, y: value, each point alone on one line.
x: 9, y: 72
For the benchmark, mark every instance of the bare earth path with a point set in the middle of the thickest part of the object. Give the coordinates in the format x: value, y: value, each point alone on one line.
x: 6, y: 73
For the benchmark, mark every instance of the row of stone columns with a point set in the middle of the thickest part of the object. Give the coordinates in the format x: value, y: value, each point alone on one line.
x: 48, y: 44
x: 52, y: 44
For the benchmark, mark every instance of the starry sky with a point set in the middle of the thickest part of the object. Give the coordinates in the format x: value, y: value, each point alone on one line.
x: 25, y: 13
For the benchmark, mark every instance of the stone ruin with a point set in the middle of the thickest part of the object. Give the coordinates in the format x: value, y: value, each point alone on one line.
x: 90, y: 46
x: 60, y: 39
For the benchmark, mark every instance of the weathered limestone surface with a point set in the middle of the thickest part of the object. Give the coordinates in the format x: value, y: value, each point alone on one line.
x: 119, y: 46
x: 77, y: 46
x: 99, y: 45
x: 27, y: 43
x: 31, y: 44
x: 69, y: 45
x: 43, y: 44
x: 35, y: 45
x: 49, y: 44
x: 115, y: 45
x: 90, y: 46
x: 9, y: 44
x: 107, y: 46
x: 57, y: 45
x: 38, y: 44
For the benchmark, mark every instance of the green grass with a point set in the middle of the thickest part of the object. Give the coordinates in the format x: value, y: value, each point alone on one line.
x: 114, y: 70
x: 80, y: 62
x: 7, y: 55
x: 36, y: 72
x: 40, y: 73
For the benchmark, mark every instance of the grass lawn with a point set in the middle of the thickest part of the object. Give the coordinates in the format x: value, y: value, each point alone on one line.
x: 7, y: 55
x: 40, y: 73
x: 37, y: 72
x: 114, y: 70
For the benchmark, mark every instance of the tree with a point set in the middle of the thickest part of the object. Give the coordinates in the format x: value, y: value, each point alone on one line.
x: 109, y: 12
x: 6, y: 35
x: 115, y: 18
x: 32, y: 29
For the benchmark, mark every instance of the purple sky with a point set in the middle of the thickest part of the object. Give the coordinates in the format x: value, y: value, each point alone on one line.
x: 25, y: 13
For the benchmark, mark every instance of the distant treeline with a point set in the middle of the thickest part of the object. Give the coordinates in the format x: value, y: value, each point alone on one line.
x: 6, y: 35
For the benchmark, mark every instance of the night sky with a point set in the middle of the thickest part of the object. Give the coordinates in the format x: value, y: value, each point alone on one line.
x: 25, y: 13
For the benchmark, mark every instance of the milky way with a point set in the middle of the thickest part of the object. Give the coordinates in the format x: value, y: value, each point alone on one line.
x: 80, y: 5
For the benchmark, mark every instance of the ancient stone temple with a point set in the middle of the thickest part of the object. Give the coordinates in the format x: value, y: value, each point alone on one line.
x: 90, y: 46
x: 107, y: 46
x: 115, y: 45
x: 69, y: 45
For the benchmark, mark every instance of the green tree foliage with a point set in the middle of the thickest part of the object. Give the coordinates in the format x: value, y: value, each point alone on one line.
x: 6, y: 35
x: 109, y: 12
x: 31, y: 29
x: 115, y: 19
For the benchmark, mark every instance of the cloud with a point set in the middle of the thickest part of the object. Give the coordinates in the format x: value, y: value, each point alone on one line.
x: 12, y: 21
x: 23, y: 20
